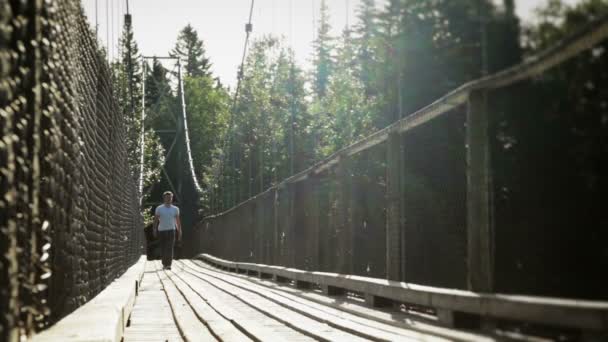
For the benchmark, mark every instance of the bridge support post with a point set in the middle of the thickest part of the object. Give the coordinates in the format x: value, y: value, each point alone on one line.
x: 480, y: 246
x: 394, y: 261
x: 345, y: 233
x: 275, y: 255
x: 312, y: 235
x: 290, y: 228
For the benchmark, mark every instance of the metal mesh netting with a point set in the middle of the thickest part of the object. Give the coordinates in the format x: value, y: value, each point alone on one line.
x: 69, y: 216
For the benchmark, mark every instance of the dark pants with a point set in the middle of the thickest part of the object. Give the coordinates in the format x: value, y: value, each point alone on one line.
x: 167, y: 240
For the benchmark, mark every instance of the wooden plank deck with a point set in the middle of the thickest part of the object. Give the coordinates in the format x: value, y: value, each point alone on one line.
x: 197, y: 302
x: 152, y: 318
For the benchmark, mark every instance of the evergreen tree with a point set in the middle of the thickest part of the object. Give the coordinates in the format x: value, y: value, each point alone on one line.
x: 207, y: 108
x: 322, y: 60
x: 128, y: 87
x: 365, y: 42
x: 346, y: 100
x: 191, y: 50
x: 128, y: 77
x: 161, y: 103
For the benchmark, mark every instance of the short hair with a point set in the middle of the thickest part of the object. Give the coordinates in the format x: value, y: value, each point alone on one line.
x: 167, y: 193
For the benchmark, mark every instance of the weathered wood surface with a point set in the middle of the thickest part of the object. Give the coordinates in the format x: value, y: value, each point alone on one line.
x: 152, y: 318
x: 586, y: 315
x: 197, y: 302
x: 104, y: 318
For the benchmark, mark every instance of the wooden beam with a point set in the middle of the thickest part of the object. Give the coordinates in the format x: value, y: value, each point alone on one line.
x: 393, y: 205
x: 344, y: 230
x: 587, y: 315
x: 313, y: 234
x: 480, y: 237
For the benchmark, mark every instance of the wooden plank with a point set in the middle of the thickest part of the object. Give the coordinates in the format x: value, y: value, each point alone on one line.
x: 152, y: 319
x: 251, y: 321
x: 219, y: 325
x: 354, y: 307
x: 581, y: 314
x: 112, y: 306
x: 187, y: 322
x: 480, y: 247
x: 297, y: 321
x: 333, y: 317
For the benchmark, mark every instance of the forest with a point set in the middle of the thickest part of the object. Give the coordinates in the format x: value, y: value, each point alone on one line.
x: 394, y: 60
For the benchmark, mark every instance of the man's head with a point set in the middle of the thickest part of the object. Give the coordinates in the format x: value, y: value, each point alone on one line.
x: 168, y: 197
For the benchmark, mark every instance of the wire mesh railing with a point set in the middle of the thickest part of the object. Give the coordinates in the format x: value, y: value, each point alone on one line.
x: 70, y: 221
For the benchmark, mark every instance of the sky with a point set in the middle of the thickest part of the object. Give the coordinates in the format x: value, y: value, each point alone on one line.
x: 221, y: 24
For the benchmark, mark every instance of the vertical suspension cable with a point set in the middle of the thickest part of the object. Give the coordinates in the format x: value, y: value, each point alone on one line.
x: 291, y: 9
x: 112, y: 46
x: 483, y: 38
x: 184, y: 117
x: 347, y: 14
x: 142, y: 133
x: 229, y: 134
x: 108, y: 30
x: 314, y: 22
x: 96, y: 20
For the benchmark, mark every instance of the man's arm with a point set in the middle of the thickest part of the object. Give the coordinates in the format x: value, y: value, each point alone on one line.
x: 178, y: 225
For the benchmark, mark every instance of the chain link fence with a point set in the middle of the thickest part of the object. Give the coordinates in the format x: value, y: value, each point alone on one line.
x: 69, y: 217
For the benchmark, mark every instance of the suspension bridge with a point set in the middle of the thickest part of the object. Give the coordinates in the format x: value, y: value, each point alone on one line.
x: 326, y: 254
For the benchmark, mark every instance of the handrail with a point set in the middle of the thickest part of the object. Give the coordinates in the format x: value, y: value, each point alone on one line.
x: 104, y: 317
x: 589, y: 36
x: 559, y: 312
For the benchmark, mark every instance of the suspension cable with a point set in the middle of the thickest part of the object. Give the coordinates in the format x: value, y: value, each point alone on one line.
x: 108, y: 30
x: 96, y: 21
x: 187, y: 136
x: 143, y: 132
x: 240, y: 74
x: 168, y: 153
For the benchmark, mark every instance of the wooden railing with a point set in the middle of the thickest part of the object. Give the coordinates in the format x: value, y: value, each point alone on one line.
x: 447, y: 305
x: 315, y: 221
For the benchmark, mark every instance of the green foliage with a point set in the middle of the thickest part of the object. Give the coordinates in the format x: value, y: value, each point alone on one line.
x: 323, y: 45
x: 191, y: 50
x: 207, y: 107
x: 128, y: 77
x: 395, y: 61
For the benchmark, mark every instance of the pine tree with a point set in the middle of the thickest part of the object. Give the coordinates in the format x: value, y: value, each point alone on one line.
x: 128, y: 78
x: 128, y: 86
x: 322, y: 60
x: 365, y: 45
x: 346, y: 100
x: 191, y: 50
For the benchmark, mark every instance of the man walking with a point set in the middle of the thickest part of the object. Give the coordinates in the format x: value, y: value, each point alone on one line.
x: 167, y: 224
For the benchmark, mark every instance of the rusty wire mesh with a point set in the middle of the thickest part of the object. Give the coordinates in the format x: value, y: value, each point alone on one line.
x: 69, y: 217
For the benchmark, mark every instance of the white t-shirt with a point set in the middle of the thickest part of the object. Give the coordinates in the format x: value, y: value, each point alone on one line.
x: 167, y: 217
